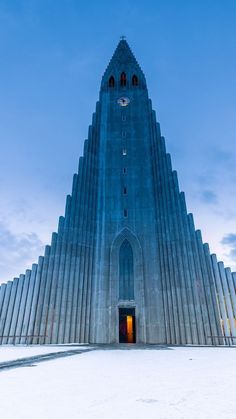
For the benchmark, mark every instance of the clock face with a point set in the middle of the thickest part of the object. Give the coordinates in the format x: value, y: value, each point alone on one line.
x: 123, y: 101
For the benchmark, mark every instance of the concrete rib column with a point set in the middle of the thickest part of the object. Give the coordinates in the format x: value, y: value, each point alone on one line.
x: 164, y: 273
x: 181, y: 258
x: 168, y: 263
x: 89, y: 171
x: 48, y: 282
x: 181, y: 336
x: 61, y: 279
x: 234, y: 279
x: 2, y: 295
x: 67, y: 284
x: 220, y: 295
x: 91, y: 226
x: 200, y: 284
x: 35, y: 299
x: 16, y: 309
x: 81, y: 320
x: 10, y: 309
x: 54, y: 285
x: 211, y: 327
x: 227, y: 299
x: 68, y: 278
x: 216, y: 308
x: 74, y: 337
x: 81, y: 257
x: 198, y: 305
x: 162, y: 241
x: 91, y: 240
x: 28, y: 305
x: 189, y: 267
x: 5, y: 308
x: 232, y: 292
x: 41, y: 292
x: 22, y: 307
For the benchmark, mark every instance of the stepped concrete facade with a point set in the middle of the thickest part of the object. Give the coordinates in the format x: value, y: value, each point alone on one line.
x: 126, y: 264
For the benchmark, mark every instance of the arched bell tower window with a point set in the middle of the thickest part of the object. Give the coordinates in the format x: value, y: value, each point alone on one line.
x: 123, y: 79
x: 111, y: 82
x: 134, y: 80
x: 126, y: 272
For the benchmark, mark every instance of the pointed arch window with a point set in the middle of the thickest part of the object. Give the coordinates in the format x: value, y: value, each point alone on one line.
x: 126, y: 271
x: 134, y: 80
x: 111, y: 82
x: 123, y: 79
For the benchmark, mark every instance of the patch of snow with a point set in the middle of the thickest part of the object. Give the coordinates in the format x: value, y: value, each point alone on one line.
x: 171, y: 383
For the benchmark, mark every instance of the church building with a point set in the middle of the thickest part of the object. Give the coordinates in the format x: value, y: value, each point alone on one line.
x: 126, y: 264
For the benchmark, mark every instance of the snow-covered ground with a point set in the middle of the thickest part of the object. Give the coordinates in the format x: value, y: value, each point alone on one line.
x: 174, y: 383
x: 10, y: 353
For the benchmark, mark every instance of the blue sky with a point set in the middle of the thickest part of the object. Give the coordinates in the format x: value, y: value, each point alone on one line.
x: 52, y: 57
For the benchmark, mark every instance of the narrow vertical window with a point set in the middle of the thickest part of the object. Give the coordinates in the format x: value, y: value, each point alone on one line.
x: 125, y: 190
x: 124, y: 151
x: 125, y: 213
x: 111, y: 82
x: 126, y: 270
x: 123, y: 79
x: 134, y: 80
x: 124, y: 170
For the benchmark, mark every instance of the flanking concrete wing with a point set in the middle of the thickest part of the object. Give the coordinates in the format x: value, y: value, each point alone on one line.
x: 126, y: 264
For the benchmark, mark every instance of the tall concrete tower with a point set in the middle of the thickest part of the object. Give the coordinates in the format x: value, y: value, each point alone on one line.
x: 126, y: 264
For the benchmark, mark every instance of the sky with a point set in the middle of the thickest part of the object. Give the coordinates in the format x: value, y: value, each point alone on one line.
x: 52, y: 58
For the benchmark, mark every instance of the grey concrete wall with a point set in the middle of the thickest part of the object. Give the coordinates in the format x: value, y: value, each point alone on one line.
x: 182, y: 295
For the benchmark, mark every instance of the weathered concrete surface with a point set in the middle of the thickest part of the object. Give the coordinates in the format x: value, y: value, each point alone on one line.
x: 125, y: 191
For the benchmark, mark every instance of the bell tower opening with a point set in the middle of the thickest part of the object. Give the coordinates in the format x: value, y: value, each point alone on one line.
x: 127, y: 331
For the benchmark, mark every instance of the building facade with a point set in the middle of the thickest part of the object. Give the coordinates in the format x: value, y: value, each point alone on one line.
x: 126, y: 264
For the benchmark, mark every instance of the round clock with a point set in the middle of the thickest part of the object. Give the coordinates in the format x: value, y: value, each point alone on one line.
x: 123, y: 101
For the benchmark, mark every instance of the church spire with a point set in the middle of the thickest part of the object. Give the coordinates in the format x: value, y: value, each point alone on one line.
x: 123, y: 61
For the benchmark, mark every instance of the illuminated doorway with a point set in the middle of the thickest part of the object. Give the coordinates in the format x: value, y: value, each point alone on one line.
x: 127, y: 325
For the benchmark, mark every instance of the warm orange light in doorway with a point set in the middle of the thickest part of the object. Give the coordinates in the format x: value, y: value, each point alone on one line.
x: 129, y: 320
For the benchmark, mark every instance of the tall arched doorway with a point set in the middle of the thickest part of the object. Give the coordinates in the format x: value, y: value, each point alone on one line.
x: 126, y: 293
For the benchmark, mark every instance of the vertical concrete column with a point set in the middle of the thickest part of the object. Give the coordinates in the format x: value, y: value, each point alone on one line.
x: 48, y: 282
x: 61, y: 268
x: 160, y: 231
x: 220, y: 295
x: 234, y: 279
x: 173, y: 256
x: 227, y: 299
x: 64, y: 327
x: 173, y: 300
x: 28, y: 304
x: 197, y: 275
x: 22, y: 306
x: 10, y: 309
x: 195, y: 316
x: 232, y: 292
x: 2, y: 295
x: 74, y: 329
x: 211, y: 329
x: 218, y: 331
x: 80, y: 267
x: 5, y: 308
x: 16, y: 308
x: 181, y: 251
x: 91, y: 240
x: 35, y: 299
x: 55, y: 278
x: 40, y: 298
x: 87, y: 218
